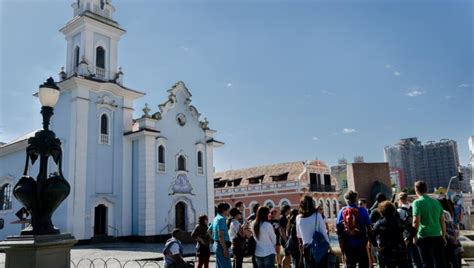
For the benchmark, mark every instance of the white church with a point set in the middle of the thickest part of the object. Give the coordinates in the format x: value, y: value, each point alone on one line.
x: 139, y: 177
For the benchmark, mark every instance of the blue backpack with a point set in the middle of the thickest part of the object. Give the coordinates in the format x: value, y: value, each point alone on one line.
x: 319, y: 247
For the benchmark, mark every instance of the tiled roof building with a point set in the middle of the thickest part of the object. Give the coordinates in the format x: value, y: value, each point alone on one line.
x: 278, y: 184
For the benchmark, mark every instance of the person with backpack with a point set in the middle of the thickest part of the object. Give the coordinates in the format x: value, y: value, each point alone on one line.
x: 203, y: 238
x: 428, y: 220
x: 353, y: 228
x: 173, y: 252
x: 453, y: 248
x: 310, y: 223
x: 387, y: 238
x: 405, y: 212
x: 237, y: 236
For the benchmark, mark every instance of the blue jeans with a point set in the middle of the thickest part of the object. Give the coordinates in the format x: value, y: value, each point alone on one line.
x: 221, y: 261
x: 431, y: 251
x: 266, y: 262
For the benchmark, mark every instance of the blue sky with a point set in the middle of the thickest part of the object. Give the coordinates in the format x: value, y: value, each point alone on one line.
x: 279, y: 80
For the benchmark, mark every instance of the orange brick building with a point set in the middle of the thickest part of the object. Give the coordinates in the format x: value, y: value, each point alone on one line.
x: 277, y: 185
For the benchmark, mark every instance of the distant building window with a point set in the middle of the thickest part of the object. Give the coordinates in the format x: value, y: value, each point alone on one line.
x: 200, y: 163
x: 104, y: 124
x: 327, y: 179
x: 76, y: 56
x: 161, y: 158
x: 269, y: 204
x: 284, y: 203
x: 181, y: 163
x: 281, y: 177
x: 334, y: 209
x: 100, y: 57
x: 218, y: 183
x: 256, y: 180
x: 328, y: 208
x: 104, y: 129
x: 102, y: 4
x: 6, y: 197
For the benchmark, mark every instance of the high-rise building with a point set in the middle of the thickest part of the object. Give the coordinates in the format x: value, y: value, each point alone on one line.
x: 433, y: 162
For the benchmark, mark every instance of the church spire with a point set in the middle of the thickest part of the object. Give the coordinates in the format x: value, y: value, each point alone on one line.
x: 92, y: 37
x: 102, y: 8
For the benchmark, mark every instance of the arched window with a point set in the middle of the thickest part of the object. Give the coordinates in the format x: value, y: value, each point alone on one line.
x: 161, y: 158
x: 200, y: 163
x: 269, y: 204
x: 102, y: 4
x: 104, y: 124
x: 182, y: 163
x: 100, y: 57
x: 328, y: 208
x: 161, y: 154
x: 76, y: 57
x: 104, y: 129
x: 6, y: 197
x: 199, y: 159
x: 334, y: 208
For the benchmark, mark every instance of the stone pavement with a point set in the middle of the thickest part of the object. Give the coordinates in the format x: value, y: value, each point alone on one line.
x: 127, y: 254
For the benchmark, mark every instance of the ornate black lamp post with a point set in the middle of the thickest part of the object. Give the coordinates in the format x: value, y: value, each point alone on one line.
x: 42, y: 196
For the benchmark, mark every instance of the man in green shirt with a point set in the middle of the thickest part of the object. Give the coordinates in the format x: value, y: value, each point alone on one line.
x: 429, y: 221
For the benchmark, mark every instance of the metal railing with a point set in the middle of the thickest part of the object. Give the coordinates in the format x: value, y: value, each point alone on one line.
x: 113, y: 263
x: 200, y: 170
x: 322, y: 188
x: 100, y: 73
x: 104, y: 138
x: 161, y: 166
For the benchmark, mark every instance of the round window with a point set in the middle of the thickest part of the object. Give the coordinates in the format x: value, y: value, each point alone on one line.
x: 181, y: 119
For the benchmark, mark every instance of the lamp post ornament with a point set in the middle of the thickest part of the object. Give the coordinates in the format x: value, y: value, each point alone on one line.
x: 41, y: 197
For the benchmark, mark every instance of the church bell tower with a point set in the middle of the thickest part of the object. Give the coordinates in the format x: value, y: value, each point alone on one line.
x: 92, y: 37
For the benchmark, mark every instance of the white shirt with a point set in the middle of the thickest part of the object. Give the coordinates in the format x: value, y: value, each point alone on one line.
x: 174, y: 249
x: 234, y: 229
x: 266, y: 241
x: 305, y: 227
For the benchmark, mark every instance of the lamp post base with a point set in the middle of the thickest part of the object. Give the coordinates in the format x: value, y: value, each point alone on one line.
x: 35, y: 251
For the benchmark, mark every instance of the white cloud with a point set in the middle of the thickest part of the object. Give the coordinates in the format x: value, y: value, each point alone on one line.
x: 396, y: 73
x: 229, y: 84
x: 464, y: 85
x: 315, y: 139
x: 186, y: 49
x: 348, y: 130
x: 449, y: 97
x: 388, y: 66
x: 415, y: 92
x: 326, y: 92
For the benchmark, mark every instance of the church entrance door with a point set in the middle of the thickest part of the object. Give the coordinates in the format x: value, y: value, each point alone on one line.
x: 100, y: 220
x: 181, y: 216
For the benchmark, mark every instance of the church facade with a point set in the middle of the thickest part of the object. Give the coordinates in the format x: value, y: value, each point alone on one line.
x: 129, y: 176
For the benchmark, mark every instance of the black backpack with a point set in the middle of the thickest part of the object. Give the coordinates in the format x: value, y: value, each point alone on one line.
x: 407, y: 224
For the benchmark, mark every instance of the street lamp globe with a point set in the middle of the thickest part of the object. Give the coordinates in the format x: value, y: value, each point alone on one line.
x: 48, y: 93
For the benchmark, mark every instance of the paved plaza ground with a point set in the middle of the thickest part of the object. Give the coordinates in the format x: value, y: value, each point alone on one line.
x: 126, y: 255
x: 131, y: 255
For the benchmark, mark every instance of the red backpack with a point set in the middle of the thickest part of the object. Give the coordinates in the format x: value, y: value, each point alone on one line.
x: 350, y: 218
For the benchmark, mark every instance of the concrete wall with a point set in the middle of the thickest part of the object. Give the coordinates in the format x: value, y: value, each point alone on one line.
x: 362, y: 176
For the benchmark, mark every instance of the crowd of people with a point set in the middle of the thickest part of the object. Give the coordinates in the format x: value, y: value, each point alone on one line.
x: 389, y: 234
